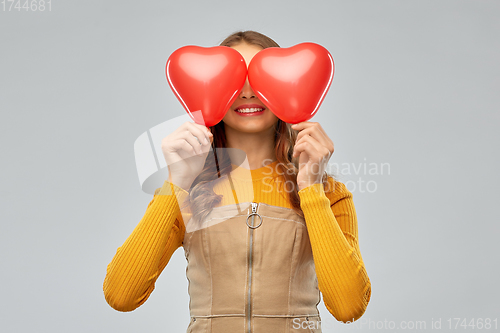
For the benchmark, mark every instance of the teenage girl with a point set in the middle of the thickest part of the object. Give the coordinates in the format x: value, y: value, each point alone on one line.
x: 260, y: 243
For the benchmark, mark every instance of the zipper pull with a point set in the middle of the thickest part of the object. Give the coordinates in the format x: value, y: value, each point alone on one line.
x: 253, y: 214
x: 254, y: 207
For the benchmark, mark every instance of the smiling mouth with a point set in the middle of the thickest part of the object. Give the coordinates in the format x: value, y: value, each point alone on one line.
x: 249, y: 110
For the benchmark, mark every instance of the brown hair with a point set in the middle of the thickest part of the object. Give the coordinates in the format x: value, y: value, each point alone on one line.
x: 202, y: 197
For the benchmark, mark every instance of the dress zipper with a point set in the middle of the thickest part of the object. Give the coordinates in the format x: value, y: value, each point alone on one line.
x: 253, y: 214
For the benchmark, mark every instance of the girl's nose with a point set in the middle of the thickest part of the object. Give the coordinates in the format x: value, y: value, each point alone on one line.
x: 247, y: 91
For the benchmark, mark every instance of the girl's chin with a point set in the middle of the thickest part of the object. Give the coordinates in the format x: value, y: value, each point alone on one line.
x: 250, y: 126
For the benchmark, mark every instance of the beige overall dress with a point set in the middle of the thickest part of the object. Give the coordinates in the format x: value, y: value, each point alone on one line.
x: 250, y: 269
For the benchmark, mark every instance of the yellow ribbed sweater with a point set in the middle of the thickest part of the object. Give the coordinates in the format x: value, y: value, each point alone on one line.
x: 331, y: 224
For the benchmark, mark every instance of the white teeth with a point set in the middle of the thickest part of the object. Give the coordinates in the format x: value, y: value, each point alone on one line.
x: 248, y: 110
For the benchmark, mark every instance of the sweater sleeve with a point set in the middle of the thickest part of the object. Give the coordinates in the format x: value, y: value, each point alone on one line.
x: 137, y: 264
x: 333, y: 231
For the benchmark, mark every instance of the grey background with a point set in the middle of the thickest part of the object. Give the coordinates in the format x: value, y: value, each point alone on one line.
x: 416, y: 86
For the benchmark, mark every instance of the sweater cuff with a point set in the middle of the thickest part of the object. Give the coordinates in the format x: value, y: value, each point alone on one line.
x: 313, y: 197
x: 169, y: 188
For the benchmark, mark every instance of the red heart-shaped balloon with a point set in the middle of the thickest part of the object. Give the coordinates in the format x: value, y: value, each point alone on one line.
x: 206, y: 79
x: 292, y: 82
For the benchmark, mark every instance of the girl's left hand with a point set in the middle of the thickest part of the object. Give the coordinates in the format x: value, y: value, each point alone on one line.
x: 314, y: 148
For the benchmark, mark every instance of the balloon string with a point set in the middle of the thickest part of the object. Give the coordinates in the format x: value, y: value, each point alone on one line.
x: 216, y: 160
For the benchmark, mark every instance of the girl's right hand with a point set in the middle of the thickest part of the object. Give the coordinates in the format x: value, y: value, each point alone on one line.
x: 185, y: 151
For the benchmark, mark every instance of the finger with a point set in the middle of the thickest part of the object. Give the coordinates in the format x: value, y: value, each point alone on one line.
x: 308, y: 145
x: 313, y: 148
x: 303, y: 125
x: 308, y: 138
x: 319, y: 135
x: 313, y: 129
x: 182, y: 146
x: 300, y: 126
x: 313, y: 158
x: 206, y: 131
x: 200, y: 132
x: 304, y: 148
x: 192, y: 140
x: 313, y: 132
